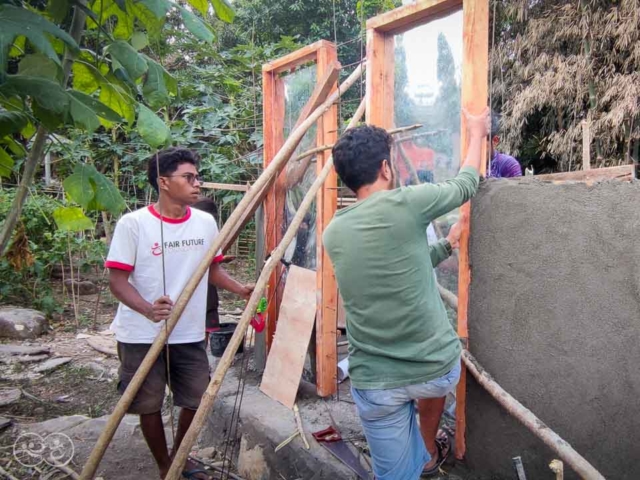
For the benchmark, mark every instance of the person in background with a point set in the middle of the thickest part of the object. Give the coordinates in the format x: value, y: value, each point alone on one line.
x: 501, y: 164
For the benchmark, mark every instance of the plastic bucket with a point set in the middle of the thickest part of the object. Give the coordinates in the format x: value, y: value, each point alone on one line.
x: 219, y: 340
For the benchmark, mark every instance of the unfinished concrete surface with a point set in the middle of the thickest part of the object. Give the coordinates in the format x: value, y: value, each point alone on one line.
x: 264, y: 423
x: 554, y: 316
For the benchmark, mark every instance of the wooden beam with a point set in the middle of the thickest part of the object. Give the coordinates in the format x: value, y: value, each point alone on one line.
x: 273, y: 121
x: 299, y: 57
x: 326, y: 206
x: 380, y: 79
x: 225, y: 186
x: 624, y: 172
x: 404, y: 18
x: 475, y: 92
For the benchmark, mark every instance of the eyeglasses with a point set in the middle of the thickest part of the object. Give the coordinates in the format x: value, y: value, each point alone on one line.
x: 189, y: 177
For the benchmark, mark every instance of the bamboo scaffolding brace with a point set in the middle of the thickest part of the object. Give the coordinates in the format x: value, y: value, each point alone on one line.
x: 206, y: 404
x: 322, y: 148
x: 551, y: 439
x: 227, y: 231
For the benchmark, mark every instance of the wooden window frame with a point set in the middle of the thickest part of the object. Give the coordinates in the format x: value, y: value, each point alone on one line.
x: 324, y: 55
x: 380, y: 101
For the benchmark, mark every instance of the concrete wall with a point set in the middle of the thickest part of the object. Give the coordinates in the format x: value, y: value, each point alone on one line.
x: 555, y: 317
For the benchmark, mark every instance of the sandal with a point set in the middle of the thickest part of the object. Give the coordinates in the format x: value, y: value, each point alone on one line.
x: 196, y: 471
x: 443, y: 448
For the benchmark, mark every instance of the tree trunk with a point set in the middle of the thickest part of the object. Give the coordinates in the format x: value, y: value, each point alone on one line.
x: 37, y: 149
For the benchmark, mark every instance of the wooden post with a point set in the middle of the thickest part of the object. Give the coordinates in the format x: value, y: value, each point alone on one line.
x: 475, y: 92
x: 326, y: 205
x: 273, y: 121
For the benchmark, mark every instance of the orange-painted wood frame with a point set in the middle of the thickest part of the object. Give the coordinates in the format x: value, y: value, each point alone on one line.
x: 380, y: 84
x: 323, y: 54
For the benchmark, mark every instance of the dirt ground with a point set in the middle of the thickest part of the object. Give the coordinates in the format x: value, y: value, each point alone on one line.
x: 87, y: 385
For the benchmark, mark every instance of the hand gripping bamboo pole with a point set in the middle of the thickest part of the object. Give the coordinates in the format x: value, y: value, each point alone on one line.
x: 274, y: 167
x: 206, y: 404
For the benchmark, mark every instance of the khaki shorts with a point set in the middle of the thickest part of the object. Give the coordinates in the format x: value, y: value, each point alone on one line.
x: 189, y: 370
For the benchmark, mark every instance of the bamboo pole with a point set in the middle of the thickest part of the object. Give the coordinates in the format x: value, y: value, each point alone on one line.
x: 322, y: 148
x: 551, y: 439
x: 206, y: 404
x: 234, y: 221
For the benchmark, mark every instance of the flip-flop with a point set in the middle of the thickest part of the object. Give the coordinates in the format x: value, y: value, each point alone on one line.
x: 444, y: 449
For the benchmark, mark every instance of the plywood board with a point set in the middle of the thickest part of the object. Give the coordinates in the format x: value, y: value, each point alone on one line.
x: 289, y: 348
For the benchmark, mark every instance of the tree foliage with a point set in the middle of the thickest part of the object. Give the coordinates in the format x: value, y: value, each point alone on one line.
x: 557, y: 63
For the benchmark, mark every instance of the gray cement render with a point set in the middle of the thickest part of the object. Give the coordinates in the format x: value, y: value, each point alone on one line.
x: 554, y: 317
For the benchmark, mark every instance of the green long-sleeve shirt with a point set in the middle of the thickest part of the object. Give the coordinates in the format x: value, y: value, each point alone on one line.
x: 397, y: 325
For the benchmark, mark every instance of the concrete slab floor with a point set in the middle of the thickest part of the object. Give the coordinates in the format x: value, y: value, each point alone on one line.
x: 265, y: 423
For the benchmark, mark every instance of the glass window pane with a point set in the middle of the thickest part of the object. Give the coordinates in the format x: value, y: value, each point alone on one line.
x: 427, y: 83
x: 298, y: 87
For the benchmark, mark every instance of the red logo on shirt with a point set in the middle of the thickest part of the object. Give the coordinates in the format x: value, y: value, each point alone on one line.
x: 156, y: 250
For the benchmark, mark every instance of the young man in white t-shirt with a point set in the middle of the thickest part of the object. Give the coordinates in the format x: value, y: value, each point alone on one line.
x: 136, y: 278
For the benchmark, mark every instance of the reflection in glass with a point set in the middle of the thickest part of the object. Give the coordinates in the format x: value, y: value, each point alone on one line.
x: 427, y: 83
x: 298, y: 87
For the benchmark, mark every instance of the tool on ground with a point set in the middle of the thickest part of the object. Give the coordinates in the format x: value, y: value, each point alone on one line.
x: 257, y: 322
x: 517, y: 464
x: 331, y: 440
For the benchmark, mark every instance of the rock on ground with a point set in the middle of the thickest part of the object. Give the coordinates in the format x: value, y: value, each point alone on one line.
x: 21, y: 323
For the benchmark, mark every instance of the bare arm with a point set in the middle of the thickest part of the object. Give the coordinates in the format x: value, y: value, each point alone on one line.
x: 128, y: 295
x: 219, y: 277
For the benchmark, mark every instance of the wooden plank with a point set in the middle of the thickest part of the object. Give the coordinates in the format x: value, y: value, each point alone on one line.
x: 406, y: 17
x: 289, y: 349
x: 225, y: 186
x: 295, y: 59
x: 326, y: 205
x: 623, y: 172
x: 273, y: 119
x: 475, y: 92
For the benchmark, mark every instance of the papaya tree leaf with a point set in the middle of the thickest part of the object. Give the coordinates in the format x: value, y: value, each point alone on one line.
x: 72, y: 219
x: 38, y: 65
x: 78, y: 185
x: 6, y: 163
x: 12, y: 122
x: 224, y: 10
x: 127, y: 56
x: 82, y: 115
x: 196, y: 26
x: 16, y: 21
x: 49, y: 94
x: 151, y: 128
x: 107, y: 196
x: 155, y: 89
x: 96, y: 107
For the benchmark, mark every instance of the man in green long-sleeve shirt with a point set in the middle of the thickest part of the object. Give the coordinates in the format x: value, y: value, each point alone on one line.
x: 402, y: 345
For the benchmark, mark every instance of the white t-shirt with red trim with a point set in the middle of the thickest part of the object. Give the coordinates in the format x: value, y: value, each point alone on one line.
x: 136, y: 248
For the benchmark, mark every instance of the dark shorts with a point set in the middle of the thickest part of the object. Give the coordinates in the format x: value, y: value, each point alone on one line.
x: 189, y: 370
